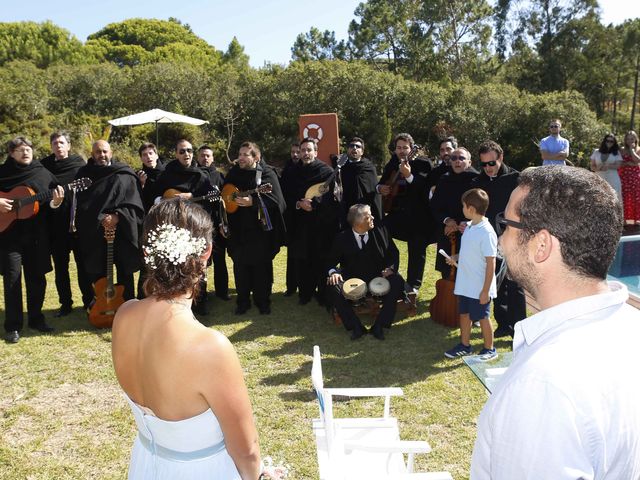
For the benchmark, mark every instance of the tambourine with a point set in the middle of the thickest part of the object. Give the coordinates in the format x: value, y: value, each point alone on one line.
x: 379, y: 287
x: 354, y: 289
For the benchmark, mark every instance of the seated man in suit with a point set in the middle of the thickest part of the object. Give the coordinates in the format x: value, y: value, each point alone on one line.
x: 364, y: 251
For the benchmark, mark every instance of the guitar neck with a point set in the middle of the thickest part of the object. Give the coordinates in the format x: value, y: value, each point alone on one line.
x: 40, y: 197
x: 109, y: 266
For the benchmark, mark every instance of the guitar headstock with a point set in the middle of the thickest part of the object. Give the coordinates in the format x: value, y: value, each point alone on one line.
x: 265, y: 188
x: 80, y: 184
x: 110, y: 233
x: 212, y: 196
x: 415, y: 150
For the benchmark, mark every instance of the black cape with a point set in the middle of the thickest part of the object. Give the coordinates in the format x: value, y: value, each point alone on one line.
x: 313, y: 232
x: 148, y: 191
x: 115, y: 188
x: 359, y: 181
x: 30, y: 234
x: 498, y: 188
x: 249, y: 242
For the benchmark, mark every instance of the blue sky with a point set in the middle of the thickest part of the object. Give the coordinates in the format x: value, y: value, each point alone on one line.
x: 267, y: 29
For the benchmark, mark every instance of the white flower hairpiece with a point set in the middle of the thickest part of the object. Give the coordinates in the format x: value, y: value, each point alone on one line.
x: 171, y: 243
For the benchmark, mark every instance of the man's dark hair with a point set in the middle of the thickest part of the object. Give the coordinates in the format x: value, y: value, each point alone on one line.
x: 476, y: 198
x: 254, y: 150
x: 18, y: 142
x: 310, y: 140
x: 295, y: 143
x: 183, y: 140
x: 146, y: 145
x: 204, y: 147
x: 357, y: 139
x: 405, y: 137
x: 59, y: 133
x: 490, y: 146
x: 577, y: 207
x: 452, y: 140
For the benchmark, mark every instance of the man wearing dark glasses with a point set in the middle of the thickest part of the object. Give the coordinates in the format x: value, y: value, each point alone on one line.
x: 554, y: 149
x: 499, y: 180
x: 567, y: 407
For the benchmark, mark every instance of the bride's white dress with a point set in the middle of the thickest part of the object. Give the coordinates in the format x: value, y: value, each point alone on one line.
x: 188, y: 449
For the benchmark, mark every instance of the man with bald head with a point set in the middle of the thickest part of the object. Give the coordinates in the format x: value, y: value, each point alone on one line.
x: 114, y: 199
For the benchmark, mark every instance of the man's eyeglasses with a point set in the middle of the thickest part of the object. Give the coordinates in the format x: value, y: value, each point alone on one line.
x: 454, y: 158
x: 354, y: 145
x: 554, y: 126
x: 502, y: 223
x: 491, y: 163
x: 182, y: 151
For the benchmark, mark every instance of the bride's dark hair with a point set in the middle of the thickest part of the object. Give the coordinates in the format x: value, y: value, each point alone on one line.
x: 167, y: 279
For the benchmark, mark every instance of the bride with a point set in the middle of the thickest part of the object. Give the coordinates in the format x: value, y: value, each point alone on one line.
x: 183, y: 380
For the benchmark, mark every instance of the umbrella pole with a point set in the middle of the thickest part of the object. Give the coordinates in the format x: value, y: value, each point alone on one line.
x: 157, y: 146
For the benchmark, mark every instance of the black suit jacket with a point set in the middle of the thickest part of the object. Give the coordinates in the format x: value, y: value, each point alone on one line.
x: 379, y: 253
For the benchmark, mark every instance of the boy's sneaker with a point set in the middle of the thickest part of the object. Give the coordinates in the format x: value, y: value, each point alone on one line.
x: 487, y: 354
x: 459, y: 350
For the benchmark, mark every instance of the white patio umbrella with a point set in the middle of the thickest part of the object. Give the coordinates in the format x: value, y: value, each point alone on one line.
x: 155, y: 116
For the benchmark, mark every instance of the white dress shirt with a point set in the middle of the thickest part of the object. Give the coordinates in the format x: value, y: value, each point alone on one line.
x: 568, y: 407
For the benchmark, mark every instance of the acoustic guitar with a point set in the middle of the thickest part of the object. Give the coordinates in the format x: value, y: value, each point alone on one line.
x: 211, y: 196
x: 109, y: 297
x: 230, y: 193
x: 26, y: 202
x: 393, y: 180
x: 444, y: 306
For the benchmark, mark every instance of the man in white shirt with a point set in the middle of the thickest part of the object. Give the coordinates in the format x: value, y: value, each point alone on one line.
x: 568, y: 407
x: 554, y: 149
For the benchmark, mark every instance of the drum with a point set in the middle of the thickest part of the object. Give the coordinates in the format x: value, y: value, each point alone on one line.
x: 379, y: 286
x: 354, y: 289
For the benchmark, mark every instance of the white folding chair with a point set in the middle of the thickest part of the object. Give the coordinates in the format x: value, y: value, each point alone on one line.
x: 352, y: 448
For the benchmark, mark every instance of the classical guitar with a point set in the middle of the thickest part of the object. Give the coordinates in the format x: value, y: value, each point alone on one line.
x: 230, y: 193
x: 26, y: 202
x: 211, y: 196
x: 394, y: 183
x: 444, y: 306
x: 109, y: 297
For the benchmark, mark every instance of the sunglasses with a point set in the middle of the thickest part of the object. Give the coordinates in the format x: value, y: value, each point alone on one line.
x: 354, y: 145
x: 502, y: 223
x: 491, y: 163
x: 609, y: 140
x: 454, y: 158
x: 182, y: 151
x: 554, y: 126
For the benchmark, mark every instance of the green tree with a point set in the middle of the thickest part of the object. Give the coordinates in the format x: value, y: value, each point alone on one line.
x: 235, y: 55
x: 317, y: 45
x: 23, y: 92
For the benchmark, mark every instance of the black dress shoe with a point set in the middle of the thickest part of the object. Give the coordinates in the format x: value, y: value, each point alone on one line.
x: 64, y: 311
x: 377, y: 332
x: 289, y: 293
x: 226, y: 298
x: 12, y: 337
x: 42, y: 327
x: 303, y: 301
x: 265, y: 310
x: 357, y: 333
x: 241, y: 310
x: 502, y: 331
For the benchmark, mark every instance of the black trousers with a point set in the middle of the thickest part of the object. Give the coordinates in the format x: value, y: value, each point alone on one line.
x: 13, y: 262
x: 417, y: 244
x: 220, y: 272
x: 344, y: 307
x: 292, y: 273
x: 61, y: 254
x: 312, y: 277
x: 256, y: 279
x: 510, y: 305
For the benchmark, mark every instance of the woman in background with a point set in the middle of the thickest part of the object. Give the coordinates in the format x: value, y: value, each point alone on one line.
x: 606, y: 160
x: 630, y: 178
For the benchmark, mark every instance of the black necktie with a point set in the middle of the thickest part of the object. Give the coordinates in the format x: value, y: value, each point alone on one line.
x: 361, y: 242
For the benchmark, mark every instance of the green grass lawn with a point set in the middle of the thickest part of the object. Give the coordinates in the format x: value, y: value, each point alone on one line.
x: 62, y: 415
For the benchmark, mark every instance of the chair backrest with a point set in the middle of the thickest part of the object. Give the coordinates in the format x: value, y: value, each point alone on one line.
x: 316, y: 379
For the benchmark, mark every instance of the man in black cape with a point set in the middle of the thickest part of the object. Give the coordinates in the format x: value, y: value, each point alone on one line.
x: 256, y: 229
x: 364, y: 251
x: 499, y: 180
x: 286, y: 184
x: 218, y: 255
x: 64, y: 165
x: 25, y: 244
x: 315, y: 222
x: 445, y: 147
x: 184, y: 175
x: 409, y: 218
x: 359, y: 180
x: 152, y: 168
x: 114, y: 199
x: 446, y: 204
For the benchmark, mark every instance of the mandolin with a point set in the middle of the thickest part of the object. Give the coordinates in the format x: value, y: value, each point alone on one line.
x: 26, y: 202
x: 394, y: 183
x: 109, y: 297
x: 211, y: 196
x: 230, y: 192
x: 444, y: 306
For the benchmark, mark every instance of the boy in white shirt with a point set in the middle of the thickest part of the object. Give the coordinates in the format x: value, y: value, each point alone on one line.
x: 476, y: 279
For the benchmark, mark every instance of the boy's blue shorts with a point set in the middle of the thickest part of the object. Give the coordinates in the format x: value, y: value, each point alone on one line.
x: 473, y: 307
